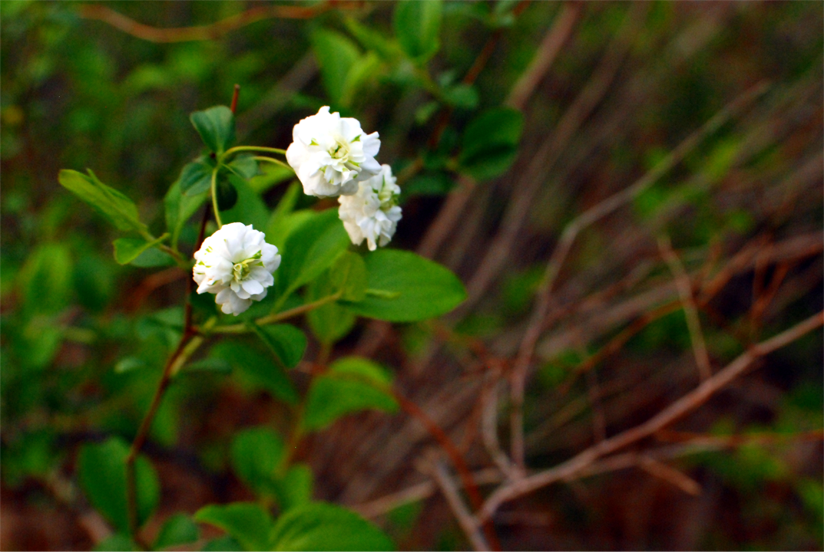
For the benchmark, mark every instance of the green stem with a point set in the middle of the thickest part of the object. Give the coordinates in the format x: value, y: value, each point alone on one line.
x: 189, y: 343
x: 274, y: 161
x: 272, y: 318
x: 214, y: 197
x: 237, y: 149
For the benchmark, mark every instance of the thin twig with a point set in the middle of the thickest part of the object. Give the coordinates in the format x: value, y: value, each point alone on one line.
x: 676, y: 410
x: 451, y: 450
x: 670, y: 475
x: 456, y: 503
x: 206, y: 32
x: 682, y: 282
x: 583, y: 221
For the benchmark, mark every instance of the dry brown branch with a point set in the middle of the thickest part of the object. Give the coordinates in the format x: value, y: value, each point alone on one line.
x: 669, y: 474
x: 684, y: 285
x: 568, y: 236
x: 456, y: 504
x: 550, y: 46
x: 207, y: 32
x: 676, y: 410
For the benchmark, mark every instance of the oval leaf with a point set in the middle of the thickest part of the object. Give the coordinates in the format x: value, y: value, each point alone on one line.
x: 114, y: 206
x: 245, y: 522
x: 102, y: 470
x: 405, y: 287
x: 256, y: 454
x: 417, y: 25
x: 322, y: 526
x: 216, y: 127
x: 284, y: 340
x: 127, y: 250
x: 178, y: 529
x: 351, y: 385
x: 336, y: 56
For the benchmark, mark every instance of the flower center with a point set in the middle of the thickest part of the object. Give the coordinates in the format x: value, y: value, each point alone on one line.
x: 242, y: 269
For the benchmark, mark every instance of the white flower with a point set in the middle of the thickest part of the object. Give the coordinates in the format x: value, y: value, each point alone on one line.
x: 331, y: 154
x: 236, y: 264
x: 372, y: 213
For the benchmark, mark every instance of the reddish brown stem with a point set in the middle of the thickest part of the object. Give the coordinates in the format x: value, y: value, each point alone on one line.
x: 449, y: 447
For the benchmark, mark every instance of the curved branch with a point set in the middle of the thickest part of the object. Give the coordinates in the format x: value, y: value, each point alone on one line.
x: 207, y: 32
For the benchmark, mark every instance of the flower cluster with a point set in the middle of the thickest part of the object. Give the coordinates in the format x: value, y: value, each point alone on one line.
x: 236, y: 264
x: 333, y: 157
x: 372, y: 213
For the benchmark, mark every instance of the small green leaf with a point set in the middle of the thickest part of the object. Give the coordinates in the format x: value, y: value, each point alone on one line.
x: 153, y: 257
x: 179, y: 209
x: 310, y: 249
x: 405, y: 287
x: 226, y: 195
x: 46, y: 278
x: 247, y: 523
x: 216, y: 127
x: 257, y: 367
x: 462, y: 96
x: 256, y: 455
x: 222, y: 544
x: 117, y: 543
x: 102, y: 470
x: 114, y: 206
x: 336, y: 56
x: 322, y: 526
x: 178, y: 529
x: 417, y: 26
x: 284, y: 340
x: 432, y: 183
x: 248, y: 207
x: 351, y: 384
x: 244, y: 166
x: 373, y: 40
x: 489, y: 143
x: 295, y: 488
x: 127, y: 250
x: 196, y: 177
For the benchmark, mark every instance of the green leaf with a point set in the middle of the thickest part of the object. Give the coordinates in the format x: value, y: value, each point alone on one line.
x: 247, y: 523
x: 244, y: 166
x: 114, y: 206
x: 196, y: 177
x: 153, y: 257
x: 284, y: 340
x: 179, y: 209
x: 256, y: 455
x: 282, y: 221
x: 310, y: 249
x: 489, y: 143
x: 211, y: 365
x: 347, y: 276
x: 178, y: 529
x: 216, y: 127
x: 127, y: 250
x: 373, y: 40
x: 417, y: 25
x: 462, y: 96
x: 433, y: 183
x: 117, y: 543
x: 248, y: 209
x: 226, y: 195
x: 351, y: 384
x: 46, y: 278
x: 295, y: 488
x: 322, y: 526
x: 336, y: 56
x: 258, y: 368
x: 222, y: 544
x: 405, y: 287
x: 102, y: 471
